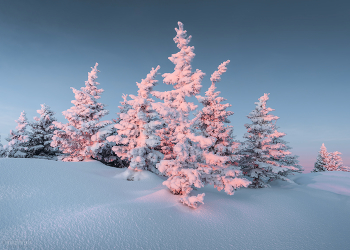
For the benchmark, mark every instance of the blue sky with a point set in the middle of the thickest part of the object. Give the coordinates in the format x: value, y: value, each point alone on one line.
x: 298, y: 51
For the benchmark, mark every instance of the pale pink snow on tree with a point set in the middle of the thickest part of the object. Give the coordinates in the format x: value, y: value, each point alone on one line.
x: 186, y: 84
x: 336, y: 162
x: 186, y: 151
x: 75, y: 137
x: 328, y: 161
x: 179, y: 144
x: 136, y: 131
x: 219, y: 161
x: 322, y: 161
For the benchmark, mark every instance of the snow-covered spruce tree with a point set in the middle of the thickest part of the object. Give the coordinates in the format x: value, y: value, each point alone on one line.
x: 40, y: 137
x: 185, y: 151
x: 219, y: 160
x: 136, y: 138
x: 186, y: 84
x: 322, y: 160
x: 335, y: 162
x: 75, y: 138
x: 17, y: 146
x: 265, y: 155
x: 181, y: 148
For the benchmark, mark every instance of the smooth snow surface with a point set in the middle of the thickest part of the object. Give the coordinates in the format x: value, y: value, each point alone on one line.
x: 82, y: 205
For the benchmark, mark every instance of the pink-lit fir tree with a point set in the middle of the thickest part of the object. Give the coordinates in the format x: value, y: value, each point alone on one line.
x: 188, y: 162
x: 180, y: 146
x: 322, y: 161
x: 186, y: 84
x: 336, y: 162
x: 136, y: 131
x: 75, y: 137
x: 219, y: 162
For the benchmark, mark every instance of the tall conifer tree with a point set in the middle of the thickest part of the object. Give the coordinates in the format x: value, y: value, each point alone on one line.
x: 219, y: 161
x: 185, y: 151
x: 181, y: 148
x: 75, y: 137
x: 186, y: 84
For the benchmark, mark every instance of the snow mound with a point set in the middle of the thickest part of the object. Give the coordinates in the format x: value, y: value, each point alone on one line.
x: 332, y: 181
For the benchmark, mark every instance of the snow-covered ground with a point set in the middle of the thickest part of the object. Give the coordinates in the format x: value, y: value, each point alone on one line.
x: 87, y: 205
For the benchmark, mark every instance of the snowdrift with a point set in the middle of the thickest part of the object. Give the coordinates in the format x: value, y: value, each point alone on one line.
x: 87, y: 205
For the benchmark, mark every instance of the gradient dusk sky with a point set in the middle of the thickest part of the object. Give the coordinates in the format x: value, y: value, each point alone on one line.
x: 296, y: 50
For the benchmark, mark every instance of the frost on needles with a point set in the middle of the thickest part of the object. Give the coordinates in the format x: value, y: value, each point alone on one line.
x: 190, y: 160
x: 41, y: 135
x: 136, y: 138
x: 265, y: 156
x: 18, y: 139
x: 75, y: 137
x: 326, y: 161
x: 219, y: 161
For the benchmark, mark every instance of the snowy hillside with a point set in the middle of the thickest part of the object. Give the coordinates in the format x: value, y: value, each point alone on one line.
x: 87, y: 205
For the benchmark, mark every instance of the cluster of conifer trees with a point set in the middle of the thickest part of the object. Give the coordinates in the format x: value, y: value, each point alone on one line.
x: 32, y: 139
x: 329, y: 161
x: 154, y: 131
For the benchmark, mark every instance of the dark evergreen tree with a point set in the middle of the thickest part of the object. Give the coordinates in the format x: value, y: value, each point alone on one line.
x: 322, y: 160
x: 18, y: 139
x: 40, y: 137
x: 265, y: 156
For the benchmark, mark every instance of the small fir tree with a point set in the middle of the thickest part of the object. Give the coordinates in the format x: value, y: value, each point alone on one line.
x: 265, y: 154
x: 41, y: 136
x: 18, y: 139
x: 136, y: 139
x: 322, y: 160
x: 336, y: 162
x: 75, y: 137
